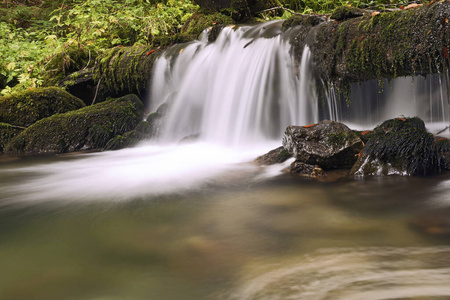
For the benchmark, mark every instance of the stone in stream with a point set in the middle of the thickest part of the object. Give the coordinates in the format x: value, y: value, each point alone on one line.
x: 88, y: 128
x: 400, y: 146
x: 327, y: 144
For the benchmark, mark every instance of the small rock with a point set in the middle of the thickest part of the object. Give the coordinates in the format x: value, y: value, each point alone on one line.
x: 328, y: 144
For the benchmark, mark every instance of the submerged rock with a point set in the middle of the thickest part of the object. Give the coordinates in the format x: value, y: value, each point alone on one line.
x: 399, y: 146
x: 328, y: 144
x: 27, y: 107
x: 435, y: 223
x: 84, y: 129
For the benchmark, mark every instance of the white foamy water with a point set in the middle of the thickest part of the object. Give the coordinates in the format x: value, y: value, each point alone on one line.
x: 126, y: 174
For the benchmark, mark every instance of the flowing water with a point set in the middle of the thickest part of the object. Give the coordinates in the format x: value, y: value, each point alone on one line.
x: 199, y: 220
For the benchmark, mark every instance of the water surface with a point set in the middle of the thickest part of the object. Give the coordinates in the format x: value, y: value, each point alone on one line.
x: 106, y: 226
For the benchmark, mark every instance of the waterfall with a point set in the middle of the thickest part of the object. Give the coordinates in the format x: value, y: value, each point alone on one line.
x: 243, y: 88
x: 247, y: 87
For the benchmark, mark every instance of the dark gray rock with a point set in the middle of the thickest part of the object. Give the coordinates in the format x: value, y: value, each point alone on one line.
x: 329, y: 144
x: 400, y: 146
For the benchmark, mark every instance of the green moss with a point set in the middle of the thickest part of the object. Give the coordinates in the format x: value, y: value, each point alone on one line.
x: 7, y: 133
x: 87, y: 128
x: 386, y: 45
x: 125, y: 70
x: 342, y: 13
x: 73, y: 57
x: 405, y: 144
x: 282, y: 156
x: 337, y: 139
x: 442, y: 146
x: 27, y: 107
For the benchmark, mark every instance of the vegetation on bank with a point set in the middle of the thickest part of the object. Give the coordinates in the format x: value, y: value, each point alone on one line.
x: 43, y: 41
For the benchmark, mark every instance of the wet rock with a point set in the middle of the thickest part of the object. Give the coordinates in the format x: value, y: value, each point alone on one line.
x: 400, y: 146
x: 27, y: 107
x: 276, y: 156
x: 298, y: 167
x: 131, y: 138
x: 81, y: 84
x: 7, y: 133
x: 89, y: 128
x: 328, y: 144
x: 443, y: 152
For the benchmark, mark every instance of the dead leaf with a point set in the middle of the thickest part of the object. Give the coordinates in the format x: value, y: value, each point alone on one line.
x: 413, y: 5
x: 401, y: 7
x: 375, y: 13
x: 431, y: 2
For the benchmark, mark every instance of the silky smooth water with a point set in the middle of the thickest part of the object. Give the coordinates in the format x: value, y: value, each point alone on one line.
x: 239, y: 233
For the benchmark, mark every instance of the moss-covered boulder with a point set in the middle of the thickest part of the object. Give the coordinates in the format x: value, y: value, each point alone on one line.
x: 442, y: 146
x: 329, y: 144
x: 400, y: 146
x: 7, y: 133
x: 71, y: 58
x: 84, y: 129
x: 125, y: 70
x: 131, y: 138
x: 389, y: 44
x: 25, y: 108
x: 346, y: 12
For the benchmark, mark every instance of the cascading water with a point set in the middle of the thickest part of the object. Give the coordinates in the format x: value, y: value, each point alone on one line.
x: 247, y: 87
x: 243, y: 88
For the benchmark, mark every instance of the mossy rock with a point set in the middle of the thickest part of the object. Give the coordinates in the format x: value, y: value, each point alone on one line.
x: 346, y: 12
x: 131, y: 138
x: 385, y: 45
x: 7, y: 133
x: 89, y: 128
x: 400, y: 146
x: 125, y: 70
x: 442, y: 146
x: 27, y: 107
x: 73, y: 57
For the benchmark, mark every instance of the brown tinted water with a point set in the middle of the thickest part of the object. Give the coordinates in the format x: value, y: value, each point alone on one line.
x: 232, y: 237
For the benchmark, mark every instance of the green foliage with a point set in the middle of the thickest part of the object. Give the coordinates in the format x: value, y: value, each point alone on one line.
x: 108, y: 23
x: 40, y: 46
x: 23, y: 54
